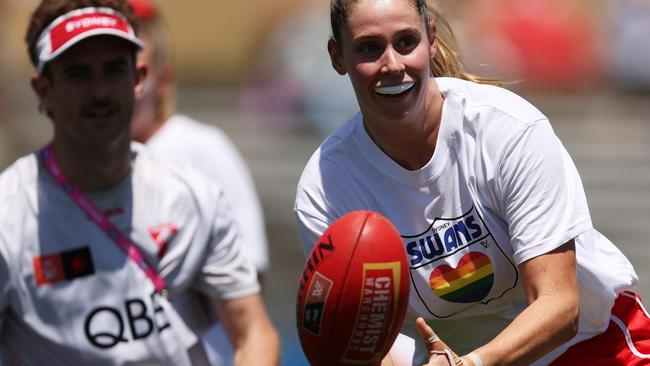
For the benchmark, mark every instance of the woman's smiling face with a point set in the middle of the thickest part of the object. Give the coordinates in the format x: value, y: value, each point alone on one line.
x: 386, y: 50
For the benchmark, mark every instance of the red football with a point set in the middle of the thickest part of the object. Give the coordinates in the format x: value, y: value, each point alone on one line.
x: 353, y: 292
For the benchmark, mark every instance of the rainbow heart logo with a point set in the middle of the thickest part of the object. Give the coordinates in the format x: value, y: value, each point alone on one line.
x: 469, y: 282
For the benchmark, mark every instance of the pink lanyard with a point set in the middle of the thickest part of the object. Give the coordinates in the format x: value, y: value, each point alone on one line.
x: 100, y: 219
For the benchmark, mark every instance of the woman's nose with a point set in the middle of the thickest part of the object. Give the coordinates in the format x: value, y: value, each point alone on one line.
x: 391, y: 62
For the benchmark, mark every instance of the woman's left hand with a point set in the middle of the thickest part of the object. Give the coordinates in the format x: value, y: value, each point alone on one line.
x: 441, y: 354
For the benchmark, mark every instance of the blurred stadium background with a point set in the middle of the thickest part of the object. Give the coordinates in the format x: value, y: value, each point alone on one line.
x: 260, y: 71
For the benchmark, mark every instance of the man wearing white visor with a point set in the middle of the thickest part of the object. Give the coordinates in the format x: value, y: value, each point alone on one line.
x: 99, y: 240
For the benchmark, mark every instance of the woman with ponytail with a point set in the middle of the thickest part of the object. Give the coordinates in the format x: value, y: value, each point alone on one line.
x: 506, y: 267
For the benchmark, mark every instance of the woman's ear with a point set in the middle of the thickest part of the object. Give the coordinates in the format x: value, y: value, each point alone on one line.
x: 432, y: 31
x: 336, y: 55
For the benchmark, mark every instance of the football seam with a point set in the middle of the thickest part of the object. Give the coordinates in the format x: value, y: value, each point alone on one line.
x: 345, y: 277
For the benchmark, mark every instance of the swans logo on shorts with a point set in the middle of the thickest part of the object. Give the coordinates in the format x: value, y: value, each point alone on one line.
x: 457, y: 263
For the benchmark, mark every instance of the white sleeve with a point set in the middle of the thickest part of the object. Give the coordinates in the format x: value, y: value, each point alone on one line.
x: 227, y: 167
x: 227, y: 272
x: 313, y: 211
x: 323, y: 195
x: 544, y: 203
x: 310, y: 229
x: 5, y: 281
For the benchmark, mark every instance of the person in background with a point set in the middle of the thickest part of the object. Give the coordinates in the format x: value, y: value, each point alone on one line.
x: 156, y: 124
x: 203, y: 147
x: 99, y: 238
x: 505, y: 264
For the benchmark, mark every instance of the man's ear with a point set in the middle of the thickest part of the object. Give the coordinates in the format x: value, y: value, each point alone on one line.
x: 43, y: 89
x: 140, y: 77
x: 336, y: 56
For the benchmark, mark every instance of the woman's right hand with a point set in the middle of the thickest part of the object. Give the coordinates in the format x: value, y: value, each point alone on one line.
x: 440, y: 353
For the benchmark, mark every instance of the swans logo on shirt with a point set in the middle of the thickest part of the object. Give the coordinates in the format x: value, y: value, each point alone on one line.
x: 456, y: 263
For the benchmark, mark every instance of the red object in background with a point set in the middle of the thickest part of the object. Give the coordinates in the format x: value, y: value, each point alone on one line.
x: 353, y: 292
x: 143, y: 9
x: 553, y: 46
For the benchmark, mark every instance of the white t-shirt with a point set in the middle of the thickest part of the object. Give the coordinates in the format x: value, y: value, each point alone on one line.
x: 499, y: 189
x: 68, y: 293
x: 207, y: 149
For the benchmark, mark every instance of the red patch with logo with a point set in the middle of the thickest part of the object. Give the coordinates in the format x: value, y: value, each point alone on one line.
x: 162, y: 235
x: 56, y: 267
